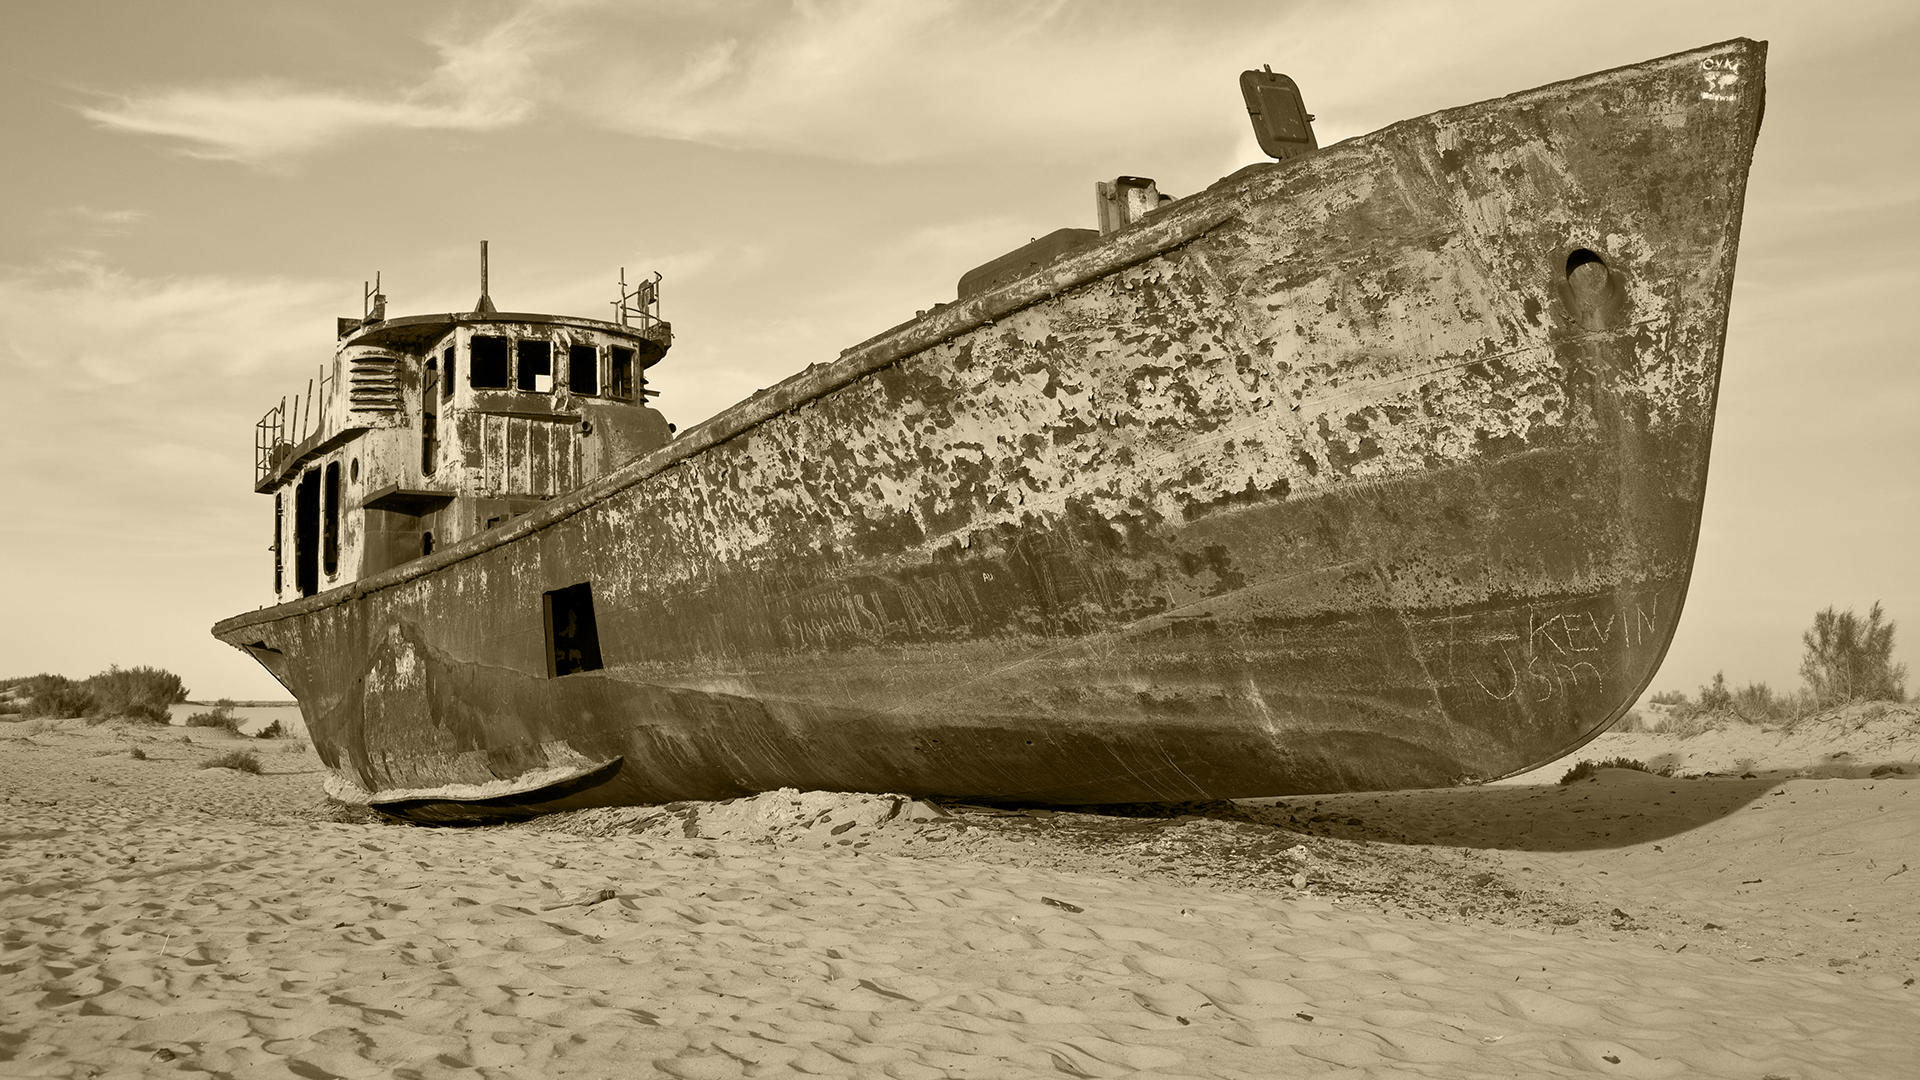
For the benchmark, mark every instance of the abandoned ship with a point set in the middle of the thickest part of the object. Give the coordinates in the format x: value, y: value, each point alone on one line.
x: 1375, y: 466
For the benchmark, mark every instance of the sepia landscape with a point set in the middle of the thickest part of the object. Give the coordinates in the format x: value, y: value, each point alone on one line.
x: 951, y: 540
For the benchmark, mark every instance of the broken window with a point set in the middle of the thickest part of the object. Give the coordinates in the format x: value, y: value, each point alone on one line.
x: 583, y: 369
x: 426, y: 544
x: 429, y: 418
x: 487, y: 363
x: 446, y: 374
x: 536, y: 365
x: 620, y: 372
x: 306, y: 533
x: 330, y: 535
x: 279, y: 530
x: 573, y: 641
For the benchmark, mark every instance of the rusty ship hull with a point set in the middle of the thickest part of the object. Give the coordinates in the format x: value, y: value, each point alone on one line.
x: 1377, y: 469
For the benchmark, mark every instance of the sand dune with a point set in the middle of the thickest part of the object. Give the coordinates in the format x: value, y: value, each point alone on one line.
x: 161, y: 918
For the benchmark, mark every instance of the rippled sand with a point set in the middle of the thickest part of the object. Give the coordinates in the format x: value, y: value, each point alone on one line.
x: 160, y: 918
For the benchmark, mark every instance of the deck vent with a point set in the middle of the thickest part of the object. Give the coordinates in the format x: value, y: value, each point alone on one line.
x: 573, y: 641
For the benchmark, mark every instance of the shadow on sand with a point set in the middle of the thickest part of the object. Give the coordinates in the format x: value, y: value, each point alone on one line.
x: 1615, y: 808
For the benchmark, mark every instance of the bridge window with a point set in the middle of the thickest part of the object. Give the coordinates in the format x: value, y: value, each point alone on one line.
x: 429, y: 419
x: 583, y: 369
x: 620, y: 372
x: 330, y: 533
x: 279, y: 530
x: 306, y: 533
x: 536, y: 365
x: 446, y: 374
x: 573, y: 642
x: 487, y: 363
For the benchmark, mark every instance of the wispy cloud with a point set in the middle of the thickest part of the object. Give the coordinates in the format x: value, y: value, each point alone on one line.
x: 481, y: 82
x: 159, y: 332
x: 96, y: 220
x: 875, y: 80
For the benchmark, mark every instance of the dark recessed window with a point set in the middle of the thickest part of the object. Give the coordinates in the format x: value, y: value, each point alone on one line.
x: 330, y: 532
x: 620, y: 372
x: 583, y: 369
x: 279, y: 529
x: 429, y: 419
x: 306, y: 533
x: 536, y: 365
x: 426, y: 544
x: 446, y: 366
x: 487, y: 363
x: 573, y: 641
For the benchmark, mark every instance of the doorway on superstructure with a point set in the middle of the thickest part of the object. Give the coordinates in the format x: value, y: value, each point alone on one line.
x: 306, y: 533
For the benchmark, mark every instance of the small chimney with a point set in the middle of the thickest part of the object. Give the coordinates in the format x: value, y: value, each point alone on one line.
x: 484, y: 306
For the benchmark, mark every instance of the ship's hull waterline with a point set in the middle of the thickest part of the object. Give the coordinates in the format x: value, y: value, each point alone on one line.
x: 1381, y: 468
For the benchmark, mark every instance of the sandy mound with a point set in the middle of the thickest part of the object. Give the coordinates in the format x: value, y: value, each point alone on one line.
x: 786, y: 817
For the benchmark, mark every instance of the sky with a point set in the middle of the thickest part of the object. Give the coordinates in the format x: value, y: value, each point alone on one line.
x: 192, y: 192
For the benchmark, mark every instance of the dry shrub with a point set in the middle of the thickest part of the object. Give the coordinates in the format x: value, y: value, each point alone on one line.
x: 1687, y: 724
x: 140, y: 693
x: 1851, y: 659
x: 220, y: 717
x: 1632, y: 722
x: 241, y: 760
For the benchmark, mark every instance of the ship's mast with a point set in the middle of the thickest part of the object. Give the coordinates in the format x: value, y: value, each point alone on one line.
x: 484, y: 306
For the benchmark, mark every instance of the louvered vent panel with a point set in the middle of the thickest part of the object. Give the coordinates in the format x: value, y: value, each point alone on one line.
x: 373, y: 384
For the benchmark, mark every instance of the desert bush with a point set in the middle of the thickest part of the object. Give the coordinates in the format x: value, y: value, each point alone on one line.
x: 137, y: 754
x: 1686, y: 723
x: 1851, y: 659
x: 1587, y: 768
x: 1715, y: 697
x: 242, y: 760
x: 64, y: 699
x: 271, y: 731
x: 220, y: 717
x: 142, y: 693
x: 1756, y: 703
x: 1631, y: 721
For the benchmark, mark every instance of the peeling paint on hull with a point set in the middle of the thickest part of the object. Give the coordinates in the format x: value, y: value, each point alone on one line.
x: 1379, y: 469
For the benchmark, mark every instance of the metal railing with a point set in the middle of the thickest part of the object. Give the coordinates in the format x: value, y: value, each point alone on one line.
x: 288, y: 424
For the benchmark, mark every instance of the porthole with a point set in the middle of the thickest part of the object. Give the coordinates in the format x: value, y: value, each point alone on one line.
x: 353, y: 470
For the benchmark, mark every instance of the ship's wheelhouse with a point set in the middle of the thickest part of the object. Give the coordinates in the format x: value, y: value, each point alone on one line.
x: 426, y: 430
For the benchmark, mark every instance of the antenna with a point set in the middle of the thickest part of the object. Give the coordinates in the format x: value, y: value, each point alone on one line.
x: 484, y: 305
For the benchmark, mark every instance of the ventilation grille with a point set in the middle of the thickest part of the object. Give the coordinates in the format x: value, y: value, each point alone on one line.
x: 373, y: 384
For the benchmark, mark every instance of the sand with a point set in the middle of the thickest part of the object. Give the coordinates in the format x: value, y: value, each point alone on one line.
x: 161, y: 919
